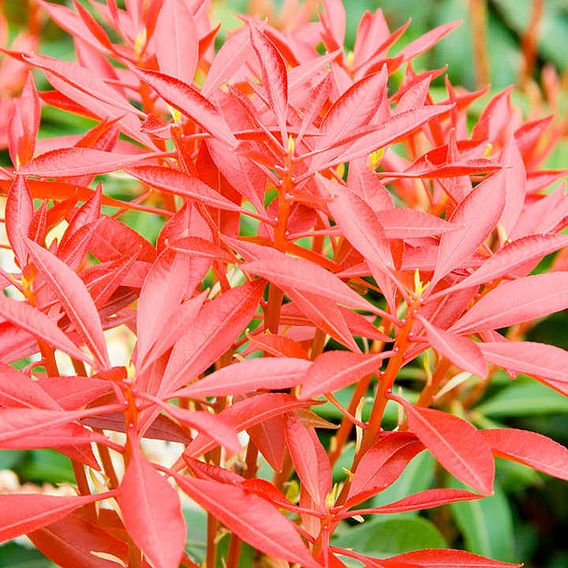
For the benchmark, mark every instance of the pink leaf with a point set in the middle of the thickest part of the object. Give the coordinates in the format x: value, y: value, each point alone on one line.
x: 444, y: 558
x: 309, y: 458
x: 24, y: 513
x: 382, y: 464
x: 424, y: 500
x: 455, y: 443
x: 19, y: 213
x: 529, y: 448
x: 152, y: 512
x: 334, y: 370
x: 250, y: 517
x: 251, y: 374
x: 190, y: 102
x: 37, y: 323
x: 478, y: 215
x: 521, y: 300
x: 305, y: 276
x: 462, y: 352
x: 274, y: 76
x: 214, y: 330
x: 172, y: 181
x: 69, y: 162
x: 75, y: 298
x: 176, y: 41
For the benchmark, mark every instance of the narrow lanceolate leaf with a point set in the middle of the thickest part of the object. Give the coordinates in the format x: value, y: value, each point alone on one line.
x: 359, y: 224
x: 424, y: 500
x: 521, y: 300
x: 477, y: 214
x: 38, y: 324
x: 247, y: 413
x: 428, y: 40
x: 359, y: 145
x: 309, y: 459
x: 24, y: 513
x: 455, y: 443
x: 177, y: 47
x: 514, y: 254
x: 296, y: 273
x: 545, y: 362
x: 252, y: 518
x: 382, y: 464
x: 217, y: 326
x: 444, y: 558
x: 529, y: 448
x: 402, y: 223
x: 190, y: 102
x: 19, y: 213
x: 70, y: 162
x: 355, y: 108
x: 461, y: 351
x: 152, y: 512
x: 334, y: 370
x: 210, y: 424
x: 172, y: 181
x: 252, y: 374
x: 75, y: 298
x: 274, y: 76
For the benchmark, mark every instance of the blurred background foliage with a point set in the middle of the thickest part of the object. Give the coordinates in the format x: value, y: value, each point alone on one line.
x: 521, y: 42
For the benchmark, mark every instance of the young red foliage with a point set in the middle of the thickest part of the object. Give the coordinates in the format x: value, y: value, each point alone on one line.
x: 269, y: 253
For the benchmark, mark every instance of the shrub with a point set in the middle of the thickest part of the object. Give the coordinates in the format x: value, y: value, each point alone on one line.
x: 327, y: 227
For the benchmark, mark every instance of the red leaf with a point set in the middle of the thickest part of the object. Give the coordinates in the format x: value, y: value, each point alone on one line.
x: 334, y: 370
x: 70, y: 162
x: 19, y: 214
x: 461, y: 351
x: 72, y: 541
x: 252, y: 374
x: 428, y: 40
x: 359, y: 224
x: 521, y: 300
x: 176, y: 42
x: 250, y: 517
x: 172, y: 181
x: 478, y: 215
x: 305, y: 276
x: 354, y: 109
x: 215, y: 329
x: 152, y: 512
x: 382, y: 465
x: 247, y: 413
x: 309, y: 458
x: 72, y: 393
x: 24, y: 513
x: 19, y: 390
x: 546, y: 363
x: 211, y: 425
x: 274, y: 76
x: 529, y: 448
x: 445, y: 558
x: 402, y: 223
x: 423, y: 500
x: 189, y: 102
x: 38, y: 324
x: 75, y: 298
x: 514, y: 254
x: 455, y: 443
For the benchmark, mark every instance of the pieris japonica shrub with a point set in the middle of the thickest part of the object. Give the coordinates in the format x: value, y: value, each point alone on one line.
x: 327, y: 224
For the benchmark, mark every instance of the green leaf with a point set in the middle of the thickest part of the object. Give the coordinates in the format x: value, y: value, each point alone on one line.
x: 13, y: 554
x: 486, y: 525
x: 522, y: 398
x: 10, y: 458
x: 47, y: 466
x: 384, y: 537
